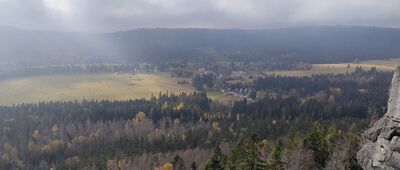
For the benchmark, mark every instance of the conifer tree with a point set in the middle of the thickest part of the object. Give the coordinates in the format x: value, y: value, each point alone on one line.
x: 193, y: 166
x: 217, y: 160
x: 178, y: 163
x: 274, y: 161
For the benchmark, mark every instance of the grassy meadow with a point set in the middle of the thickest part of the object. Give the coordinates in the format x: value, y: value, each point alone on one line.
x: 99, y: 86
x: 381, y: 65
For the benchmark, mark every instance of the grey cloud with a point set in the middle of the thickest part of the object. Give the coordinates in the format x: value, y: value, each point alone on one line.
x: 114, y: 15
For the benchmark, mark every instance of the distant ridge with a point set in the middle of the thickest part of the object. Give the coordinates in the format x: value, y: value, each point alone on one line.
x: 314, y: 44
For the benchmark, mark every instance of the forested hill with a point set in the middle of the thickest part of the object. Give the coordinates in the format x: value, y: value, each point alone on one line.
x: 313, y: 44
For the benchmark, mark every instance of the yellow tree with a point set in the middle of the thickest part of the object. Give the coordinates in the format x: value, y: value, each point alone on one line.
x: 10, y: 156
x: 35, y: 134
x: 140, y: 116
x: 55, y: 128
x: 166, y: 166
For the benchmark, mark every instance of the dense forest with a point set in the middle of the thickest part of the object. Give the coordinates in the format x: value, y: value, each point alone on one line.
x: 309, y: 122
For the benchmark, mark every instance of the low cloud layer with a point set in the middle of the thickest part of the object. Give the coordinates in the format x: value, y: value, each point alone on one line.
x: 115, y: 15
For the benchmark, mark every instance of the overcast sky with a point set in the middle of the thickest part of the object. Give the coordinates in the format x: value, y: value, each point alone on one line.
x: 116, y: 15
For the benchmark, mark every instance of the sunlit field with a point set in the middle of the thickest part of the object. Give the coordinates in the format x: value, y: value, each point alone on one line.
x: 381, y: 65
x: 87, y: 86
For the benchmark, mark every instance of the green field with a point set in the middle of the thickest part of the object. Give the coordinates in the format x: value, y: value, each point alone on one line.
x: 215, y: 95
x: 381, y: 65
x: 87, y: 86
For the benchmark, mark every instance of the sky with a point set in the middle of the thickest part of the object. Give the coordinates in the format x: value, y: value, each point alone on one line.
x: 119, y: 15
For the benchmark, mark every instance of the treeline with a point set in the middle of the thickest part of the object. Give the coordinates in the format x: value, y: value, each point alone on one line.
x: 76, y: 69
x: 342, y: 83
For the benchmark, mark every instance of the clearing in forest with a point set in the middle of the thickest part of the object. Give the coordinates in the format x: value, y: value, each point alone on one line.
x: 381, y: 65
x: 99, y: 86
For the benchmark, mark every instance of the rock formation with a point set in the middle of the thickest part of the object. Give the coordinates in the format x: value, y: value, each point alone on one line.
x: 381, y: 143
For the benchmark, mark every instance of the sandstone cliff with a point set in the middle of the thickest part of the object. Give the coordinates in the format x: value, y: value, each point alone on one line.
x: 381, y: 143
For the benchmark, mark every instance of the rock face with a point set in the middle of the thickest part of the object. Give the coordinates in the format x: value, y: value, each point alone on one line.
x: 381, y: 143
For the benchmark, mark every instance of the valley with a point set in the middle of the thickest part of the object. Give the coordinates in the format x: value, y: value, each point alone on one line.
x: 125, y: 85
